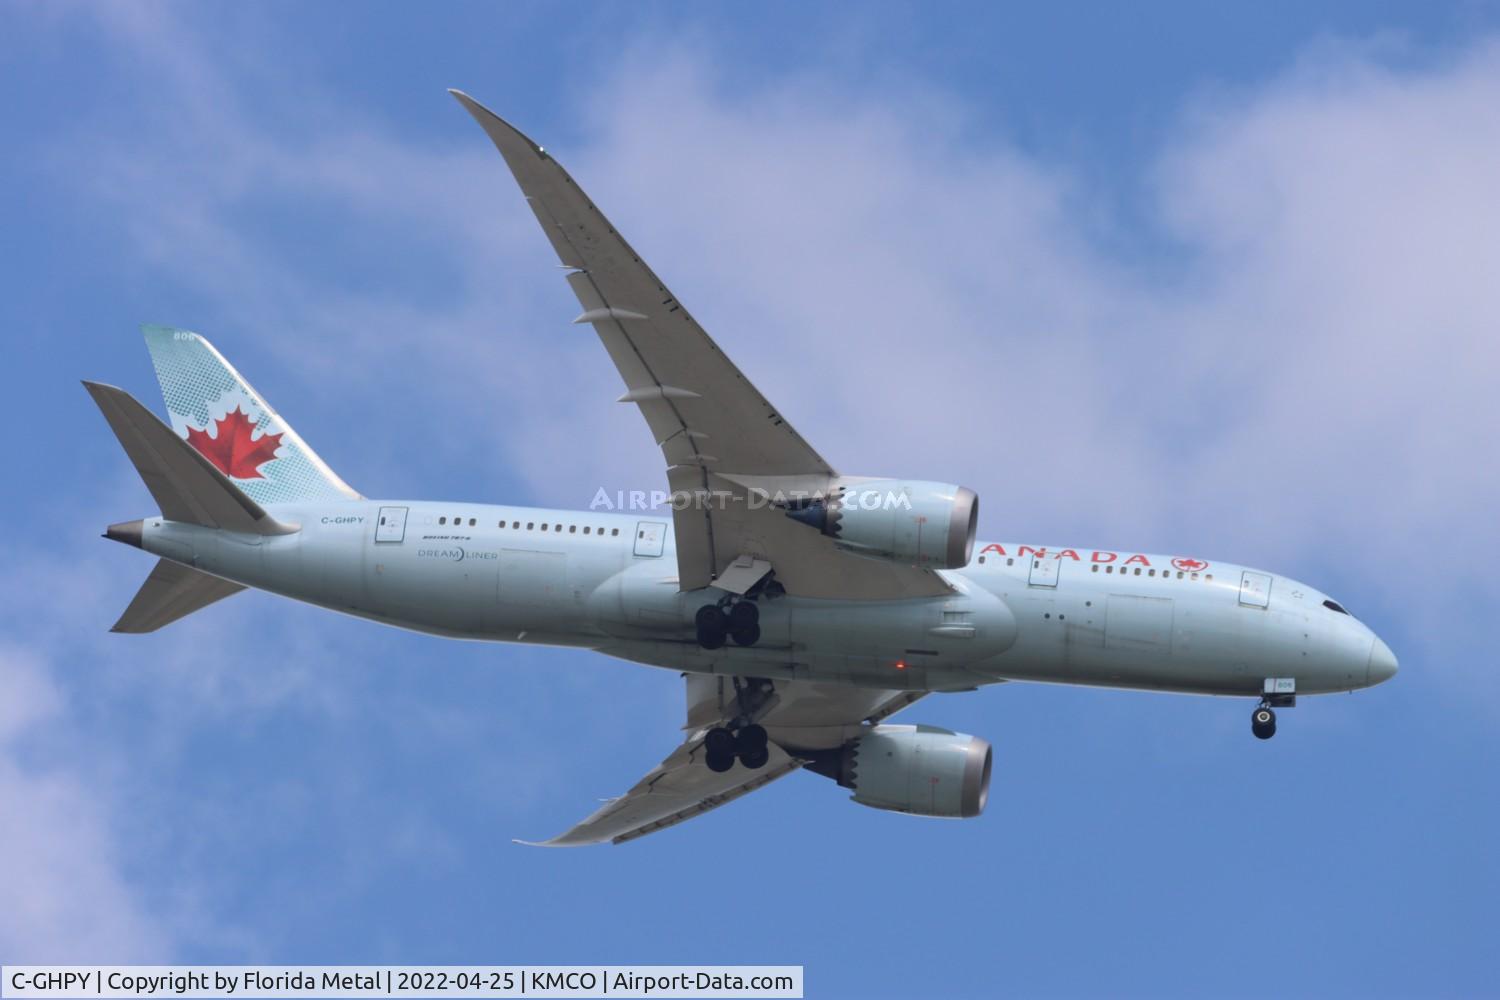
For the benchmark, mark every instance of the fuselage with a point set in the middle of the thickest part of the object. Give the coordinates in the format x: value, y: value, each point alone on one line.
x: 608, y: 581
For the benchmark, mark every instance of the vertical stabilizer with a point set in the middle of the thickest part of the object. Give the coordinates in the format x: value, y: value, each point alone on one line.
x: 230, y: 424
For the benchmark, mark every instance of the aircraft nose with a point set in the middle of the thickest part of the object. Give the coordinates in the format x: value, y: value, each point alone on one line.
x: 1382, y: 663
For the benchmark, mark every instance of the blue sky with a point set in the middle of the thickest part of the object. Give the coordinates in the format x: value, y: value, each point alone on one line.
x: 1170, y: 278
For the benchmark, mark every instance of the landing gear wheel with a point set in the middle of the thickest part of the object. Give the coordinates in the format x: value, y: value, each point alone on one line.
x: 720, y: 742
x: 712, y: 625
x: 756, y: 759
x: 744, y: 623
x: 751, y: 739
x: 743, y: 615
x: 719, y: 763
x: 1263, y: 723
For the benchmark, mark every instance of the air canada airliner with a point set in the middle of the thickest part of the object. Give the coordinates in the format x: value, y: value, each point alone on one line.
x: 803, y: 607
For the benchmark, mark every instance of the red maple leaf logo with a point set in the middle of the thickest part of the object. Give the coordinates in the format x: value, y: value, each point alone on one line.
x: 1189, y: 564
x: 233, y: 451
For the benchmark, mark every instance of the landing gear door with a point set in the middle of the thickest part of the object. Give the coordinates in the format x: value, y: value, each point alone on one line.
x: 390, y: 526
x: 650, y: 536
x: 1255, y: 589
x: 1043, y: 571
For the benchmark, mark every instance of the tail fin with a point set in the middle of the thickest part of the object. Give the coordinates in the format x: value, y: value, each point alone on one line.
x: 187, y: 487
x: 221, y: 416
x: 172, y: 591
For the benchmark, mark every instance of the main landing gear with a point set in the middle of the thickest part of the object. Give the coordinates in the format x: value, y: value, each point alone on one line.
x: 721, y: 746
x: 739, y: 736
x: 739, y: 621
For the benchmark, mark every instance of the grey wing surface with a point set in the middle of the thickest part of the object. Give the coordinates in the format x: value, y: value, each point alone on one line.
x: 799, y: 717
x: 718, y: 434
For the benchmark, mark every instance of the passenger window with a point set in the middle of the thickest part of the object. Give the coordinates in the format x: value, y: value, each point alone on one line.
x: 1109, y: 569
x: 1195, y: 576
x: 585, y: 529
x: 981, y: 560
x: 1179, y: 574
x: 1010, y: 562
x: 443, y: 520
x: 1151, y: 573
x: 544, y: 527
x: 614, y: 531
x: 572, y: 528
x: 472, y: 522
x: 1137, y: 571
x: 557, y: 527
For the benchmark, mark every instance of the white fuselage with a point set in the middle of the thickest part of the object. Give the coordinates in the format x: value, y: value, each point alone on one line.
x: 609, y: 582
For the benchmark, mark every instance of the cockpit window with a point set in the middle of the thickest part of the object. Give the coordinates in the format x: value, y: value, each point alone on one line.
x: 1334, y: 606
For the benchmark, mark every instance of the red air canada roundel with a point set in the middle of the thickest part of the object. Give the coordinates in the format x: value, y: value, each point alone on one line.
x: 1189, y: 565
x: 233, y: 449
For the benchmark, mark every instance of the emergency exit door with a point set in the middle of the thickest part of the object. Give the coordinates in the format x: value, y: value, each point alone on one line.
x: 650, y: 536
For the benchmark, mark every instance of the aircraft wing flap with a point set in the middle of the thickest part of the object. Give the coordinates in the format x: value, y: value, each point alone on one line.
x: 800, y: 715
x: 680, y: 788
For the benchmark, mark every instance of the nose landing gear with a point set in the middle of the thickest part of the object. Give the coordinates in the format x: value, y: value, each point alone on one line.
x: 1263, y: 722
x: 1277, y: 692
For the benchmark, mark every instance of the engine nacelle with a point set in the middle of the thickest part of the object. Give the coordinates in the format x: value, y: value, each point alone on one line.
x: 920, y: 770
x: 922, y: 524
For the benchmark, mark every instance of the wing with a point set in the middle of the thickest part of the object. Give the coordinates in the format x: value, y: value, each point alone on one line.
x: 798, y: 716
x: 720, y: 437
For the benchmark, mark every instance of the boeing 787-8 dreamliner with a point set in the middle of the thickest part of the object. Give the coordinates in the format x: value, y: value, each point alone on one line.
x: 804, y: 607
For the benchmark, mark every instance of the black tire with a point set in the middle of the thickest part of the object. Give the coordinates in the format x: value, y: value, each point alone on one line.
x: 719, y: 763
x: 711, y: 625
x: 756, y: 759
x: 719, y: 742
x: 751, y: 739
x: 743, y: 616
x: 747, y: 636
x: 1263, y: 723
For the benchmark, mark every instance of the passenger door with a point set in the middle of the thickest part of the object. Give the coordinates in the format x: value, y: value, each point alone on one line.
x: 650, y: 536
x: 1043, y: 571
x: 391, y: 526
x: 1255, y: 589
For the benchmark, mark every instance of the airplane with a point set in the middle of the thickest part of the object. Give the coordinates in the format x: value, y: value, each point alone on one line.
x: 803, y: 607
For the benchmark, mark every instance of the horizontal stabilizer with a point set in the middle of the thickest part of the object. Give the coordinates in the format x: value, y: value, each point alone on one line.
x: 186, y: 485
x: 172, y: 591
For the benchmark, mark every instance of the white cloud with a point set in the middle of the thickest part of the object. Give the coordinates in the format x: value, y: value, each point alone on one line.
x: 63, y: 892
